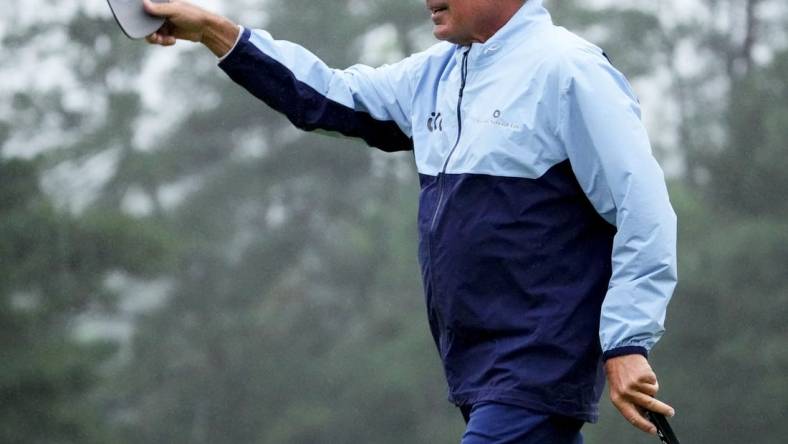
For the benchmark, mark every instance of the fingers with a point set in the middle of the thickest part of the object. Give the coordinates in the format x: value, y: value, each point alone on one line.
x: 635, y: 418
x: 631, y: 402
x: 164, y: 36
x: 159, y: 9
x: 648, y: 378
x: 649, y: 389
x: 633, y: 387
x: 159, y: 38
x: 643, y: 395
x: 653, y: 404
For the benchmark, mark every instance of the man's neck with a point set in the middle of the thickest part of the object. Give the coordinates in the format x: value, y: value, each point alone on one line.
x: 505, y: 11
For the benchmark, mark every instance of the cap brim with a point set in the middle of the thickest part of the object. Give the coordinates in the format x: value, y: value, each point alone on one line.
x: 132, y: 18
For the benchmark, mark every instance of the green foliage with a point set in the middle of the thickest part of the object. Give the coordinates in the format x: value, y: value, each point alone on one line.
x: 293, y: 310
x: 53, y: 265
x: 749, y: 174
x: 630, y: 37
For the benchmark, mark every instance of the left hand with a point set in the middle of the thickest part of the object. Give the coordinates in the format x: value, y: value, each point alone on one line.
x: 185, y: 21
x: 633, y: 386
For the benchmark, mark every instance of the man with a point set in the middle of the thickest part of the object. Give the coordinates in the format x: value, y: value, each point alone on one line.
x: 547, y: 240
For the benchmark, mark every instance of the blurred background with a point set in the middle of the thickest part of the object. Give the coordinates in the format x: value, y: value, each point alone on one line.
x: 179, y: 265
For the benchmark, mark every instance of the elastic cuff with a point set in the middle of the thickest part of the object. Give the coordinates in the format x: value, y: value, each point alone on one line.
x: 623, y: 351
x: 241, y: 30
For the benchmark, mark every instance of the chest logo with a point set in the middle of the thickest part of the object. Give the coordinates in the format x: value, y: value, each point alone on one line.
x: 497, y: 120
x: 435, y: 122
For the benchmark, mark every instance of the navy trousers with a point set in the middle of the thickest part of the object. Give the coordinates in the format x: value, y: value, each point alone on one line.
x: 498, y: 423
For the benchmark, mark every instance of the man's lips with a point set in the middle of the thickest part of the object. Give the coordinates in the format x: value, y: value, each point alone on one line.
x: 438, y: 11
x: 437, y: 7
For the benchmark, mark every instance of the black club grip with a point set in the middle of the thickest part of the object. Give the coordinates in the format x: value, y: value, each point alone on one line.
x: 664, y: 431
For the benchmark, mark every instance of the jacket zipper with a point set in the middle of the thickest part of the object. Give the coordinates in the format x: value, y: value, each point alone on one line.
x: 442, y: 174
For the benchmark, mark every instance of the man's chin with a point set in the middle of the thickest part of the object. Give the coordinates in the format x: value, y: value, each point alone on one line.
x: 442, y: 32
x: 439, y: 33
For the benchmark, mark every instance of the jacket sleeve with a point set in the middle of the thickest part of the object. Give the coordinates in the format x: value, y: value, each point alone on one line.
x: 370, y: 103
x: 606, y: 142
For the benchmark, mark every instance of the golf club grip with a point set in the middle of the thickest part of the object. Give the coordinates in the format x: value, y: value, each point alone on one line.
x: 664, y: 431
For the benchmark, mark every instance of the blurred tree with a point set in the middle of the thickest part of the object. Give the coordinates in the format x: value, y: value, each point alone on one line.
x: 55, y: 256
x: 630, y: 36
x: 53, y: 266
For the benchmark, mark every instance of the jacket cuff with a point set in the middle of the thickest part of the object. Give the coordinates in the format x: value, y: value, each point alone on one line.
x: 623, y: 351
x: 241, y: 32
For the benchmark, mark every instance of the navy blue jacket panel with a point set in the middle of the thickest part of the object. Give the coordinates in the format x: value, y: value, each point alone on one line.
x: 515, y: 272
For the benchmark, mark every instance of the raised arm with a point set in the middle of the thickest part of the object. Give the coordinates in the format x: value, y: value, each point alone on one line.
x: 369, y: 103
x: 611, y: 157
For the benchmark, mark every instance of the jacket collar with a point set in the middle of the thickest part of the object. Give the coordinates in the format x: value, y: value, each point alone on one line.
x: 530, y: 16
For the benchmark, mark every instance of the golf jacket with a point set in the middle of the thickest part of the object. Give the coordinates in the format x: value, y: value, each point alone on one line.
x: 547, y: 239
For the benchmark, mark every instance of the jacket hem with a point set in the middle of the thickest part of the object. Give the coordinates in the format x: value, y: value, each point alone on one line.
x: 587, y: 413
